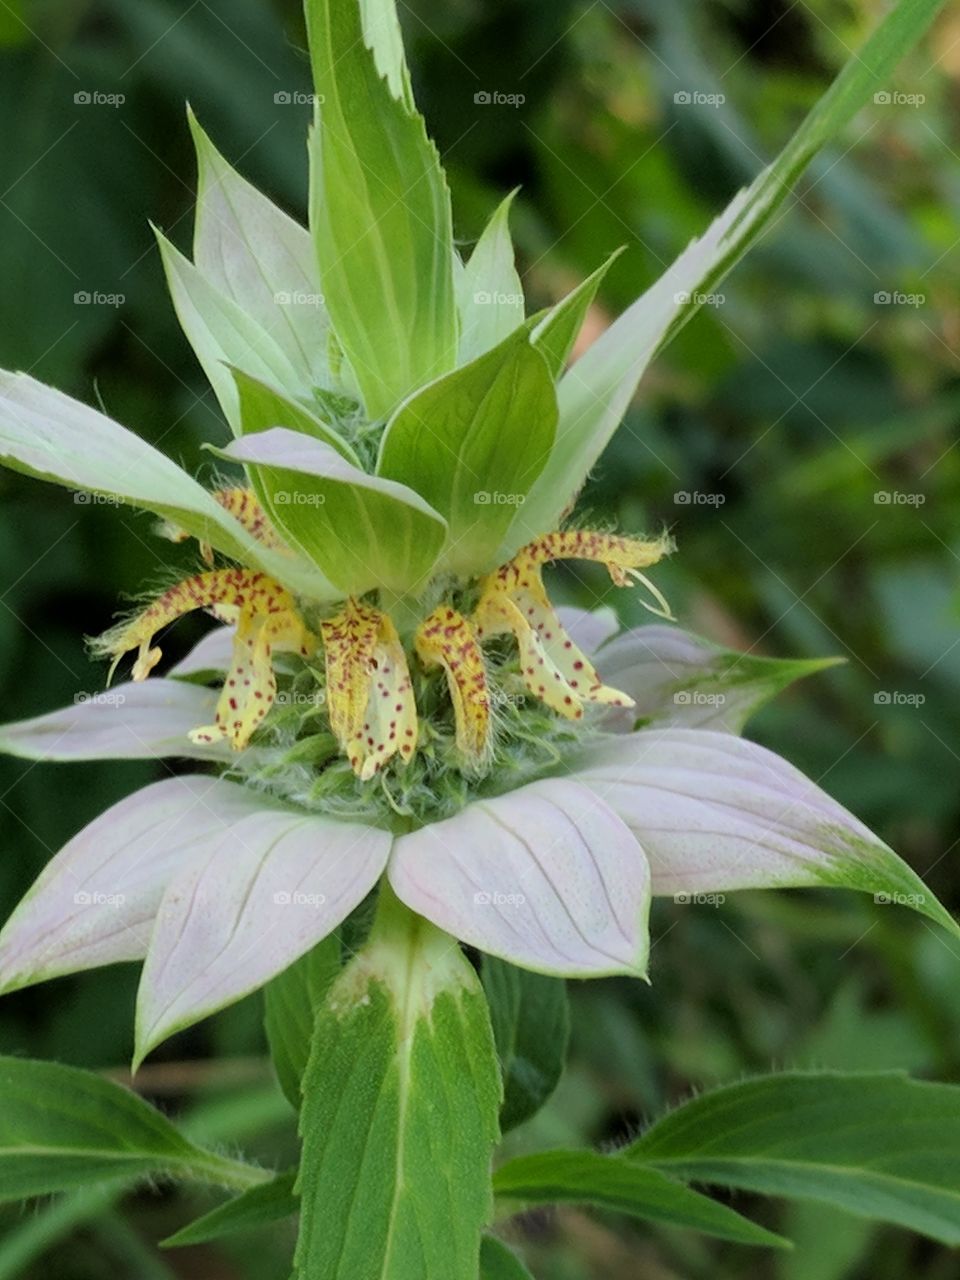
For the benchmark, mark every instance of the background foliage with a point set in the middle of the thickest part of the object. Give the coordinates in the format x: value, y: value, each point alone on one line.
x: 799, y: 438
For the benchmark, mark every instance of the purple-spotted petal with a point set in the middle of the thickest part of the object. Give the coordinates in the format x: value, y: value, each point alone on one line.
x: 95, y: 902
x: 145, y: 721
x: 547, y: 877
x: 258, y: 897
x: 715, y: 812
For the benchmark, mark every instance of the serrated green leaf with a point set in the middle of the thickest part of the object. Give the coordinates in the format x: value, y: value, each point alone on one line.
x: 472, y: 443
x: 587, y: 1177
x: 597, y: 390
x: 380, y: 210
x: 882, y: 1146
x: 400, y: 1113
x: 489, y: 290
x: 258, y: 1207
x: 61, y: 1127
x: 497, y: 1262
x: 362, y: 531
x: 292, y: 1001
x: 531, y: 1024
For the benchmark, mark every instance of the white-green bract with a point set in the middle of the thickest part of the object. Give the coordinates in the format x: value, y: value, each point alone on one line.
x: 411, y: 442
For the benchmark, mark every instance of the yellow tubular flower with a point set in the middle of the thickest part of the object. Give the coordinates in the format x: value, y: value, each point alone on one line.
x: 370, y: 699
x: 267, y: 623
x: 446, y: 639
x: 513, y: 600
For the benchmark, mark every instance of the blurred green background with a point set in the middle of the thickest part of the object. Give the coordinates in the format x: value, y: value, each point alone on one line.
x: 799, y: 439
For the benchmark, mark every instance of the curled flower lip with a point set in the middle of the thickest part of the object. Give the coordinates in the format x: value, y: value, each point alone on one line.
x: 219, y: 888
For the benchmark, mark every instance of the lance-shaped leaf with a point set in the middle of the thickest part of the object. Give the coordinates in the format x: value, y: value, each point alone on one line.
x: 61, y: 1127
x: 223, y: 333
x: 95, y: 902
x: 46, y: 434
x: 878, y: 1145
x: 595, y: 393
x: 258, y: 897
x: 399, y: 1116
x: 257, y: 256
x: 676, y: 678
x: 555, y: 331
x: 473, y: 443
x: 263, y: 406
x: 489, y: 291
x: 531, y: 1023
x: 715, y: 812
x: 362, y: 530
x: 586, y: 1177
x: 292, y: 1001
x: 380, y: 208
x: 259, y: 1206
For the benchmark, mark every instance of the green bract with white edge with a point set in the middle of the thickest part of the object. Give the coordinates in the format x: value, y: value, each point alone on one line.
x: 400, y: 704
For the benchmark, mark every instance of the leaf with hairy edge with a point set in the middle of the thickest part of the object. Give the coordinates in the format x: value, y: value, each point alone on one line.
x: 497, y: 1262
x: 399, y: 1117
x: 472, y: 443
x: 587, y: 1177
x: 256, y: 255
x: 380, y: 208
x: 258, y: 1207
x: 293, y: 1000
x: 531, y: 1025
x: 364, y: 531
x: 489, y: 291
x: 46, y: 434
x: 878, y: 1145
x: 596, y: 392
x: 676, y: 678
x: 61, y: 1127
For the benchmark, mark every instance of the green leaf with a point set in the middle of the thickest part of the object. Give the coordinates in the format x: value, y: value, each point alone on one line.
x: 271, y: 1202
x: 61, y: 1127
x: 556, y: 330
x: 399, y: 1116
x: 531, y: 1025
x: 497, y: 1262
x: 257, y: 256
x: 596, y: 392
x: 473, y: 443
x: 608, y: 1182
x: 489, y: 291
x: 222, y: 333
x: 292, y: 1001
x: 879, y: 1145
x: 380, y: 209
x: 363, y: 531
x: 46, y: 434
x: 263, y: 406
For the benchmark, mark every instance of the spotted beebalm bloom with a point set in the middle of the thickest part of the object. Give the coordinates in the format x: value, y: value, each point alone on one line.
x: 395, y: 694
